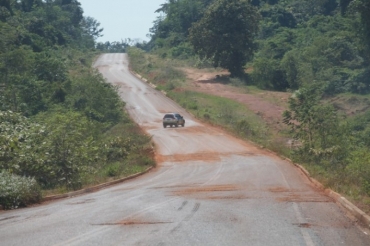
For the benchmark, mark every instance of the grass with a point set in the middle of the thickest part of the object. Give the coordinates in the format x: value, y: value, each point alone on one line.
x: 339, y: 182
x: 223, y: 112
x: 110, y: 172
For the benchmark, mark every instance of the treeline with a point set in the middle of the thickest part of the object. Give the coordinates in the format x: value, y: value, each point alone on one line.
x: 316, y: 49
x: 61, y: 125
x: 305, y: 41
x: 298, y: 41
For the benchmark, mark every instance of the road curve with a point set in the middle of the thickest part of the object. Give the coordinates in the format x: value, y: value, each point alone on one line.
x: 209, y: 189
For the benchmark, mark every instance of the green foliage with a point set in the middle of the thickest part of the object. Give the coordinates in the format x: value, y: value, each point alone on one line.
x: 363, y: 7
x: 170, y: 31
x: 300, y: 41
x: 317, y: 128
x: 17, y: 191
x: 91, y: 27
x: 267, y: 74
x: 65, y: 148
x: 322, y: 48
x: 16, y: 133
x: 95, y: 98
x: 113, y: 47
x: 245, y: 128
x: 160, y: 72
x: 68, y: 149
x: 290, y: 65
x: 55, y: 152
x: 277, y: 14
x: 358, y: 170
x: 56, y: 112
x: 125, y: 147
x: 225, y: 34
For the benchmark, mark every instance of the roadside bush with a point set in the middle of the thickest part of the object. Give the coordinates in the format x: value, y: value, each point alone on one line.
x: 206, y: 116
x: 96, y: 99
x: 267, y: 74
x: 192, y: 105
x: 17, y: 191
x: 358, y: 170
x: 138, y: 159
x: 137, y: 58
x: 17, y: 135
x: 113, y: 169
x: 68, y: 150
x: 244, y: 128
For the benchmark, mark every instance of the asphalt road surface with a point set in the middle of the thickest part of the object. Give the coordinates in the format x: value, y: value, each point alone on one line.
x: 209, y: 189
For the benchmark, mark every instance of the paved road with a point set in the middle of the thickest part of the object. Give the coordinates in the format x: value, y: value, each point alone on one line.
x: 209, y: 189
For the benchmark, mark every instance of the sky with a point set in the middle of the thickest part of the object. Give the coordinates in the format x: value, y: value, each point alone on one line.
x: 123, y: 19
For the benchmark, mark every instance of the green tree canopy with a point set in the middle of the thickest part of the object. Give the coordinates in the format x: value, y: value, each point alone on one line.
x: 362, y: 7
x: 226, y: 34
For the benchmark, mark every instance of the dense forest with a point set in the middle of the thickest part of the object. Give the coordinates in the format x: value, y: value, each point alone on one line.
x: 61, y: 125
x: 315, y: 49
x: 297, y: 41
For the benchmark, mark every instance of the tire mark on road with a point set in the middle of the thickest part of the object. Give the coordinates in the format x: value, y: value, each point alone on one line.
x: 79, y: 240
x: 188, y: 217
x: 182, y: 205
x: 196, y: 208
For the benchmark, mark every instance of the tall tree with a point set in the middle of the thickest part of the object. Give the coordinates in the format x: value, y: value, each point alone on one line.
x: 172, y: 27
x: 226, y: 34
x: 92, y: 27
x: 316, y: 126
x: 363, y: 8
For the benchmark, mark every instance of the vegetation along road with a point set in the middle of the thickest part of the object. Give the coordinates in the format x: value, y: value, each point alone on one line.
x: 208, y: 189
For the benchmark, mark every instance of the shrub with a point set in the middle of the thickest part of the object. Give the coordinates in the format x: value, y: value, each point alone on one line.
x: 192, y: 105
x: 244, y: 128
x: 17, y: 135
x: 206, y: 116
x: 114, y: 169
x: 17, y: 191
x: 358, y: 169
x: 67, y: 150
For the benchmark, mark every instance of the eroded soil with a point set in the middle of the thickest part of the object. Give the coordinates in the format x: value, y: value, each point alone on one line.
x: 269, y: 105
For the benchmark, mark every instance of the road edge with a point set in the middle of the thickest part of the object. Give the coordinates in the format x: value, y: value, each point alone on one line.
x: 360, y: 215
x: 94, y: 188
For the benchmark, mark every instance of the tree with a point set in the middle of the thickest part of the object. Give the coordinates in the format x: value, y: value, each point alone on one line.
x: 343, y: 5
x: 171, y: 29
x: 92, y: 27
x: 226, y: 34
x: 317, y: 127
x: 363, y: 8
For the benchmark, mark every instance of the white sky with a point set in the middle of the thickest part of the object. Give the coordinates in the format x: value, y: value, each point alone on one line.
x: 123, y: 19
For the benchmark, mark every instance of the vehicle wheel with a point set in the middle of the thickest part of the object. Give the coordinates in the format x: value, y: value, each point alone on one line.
x: 183, y: 125
x: 164, y: 126
x: 177, y: 125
